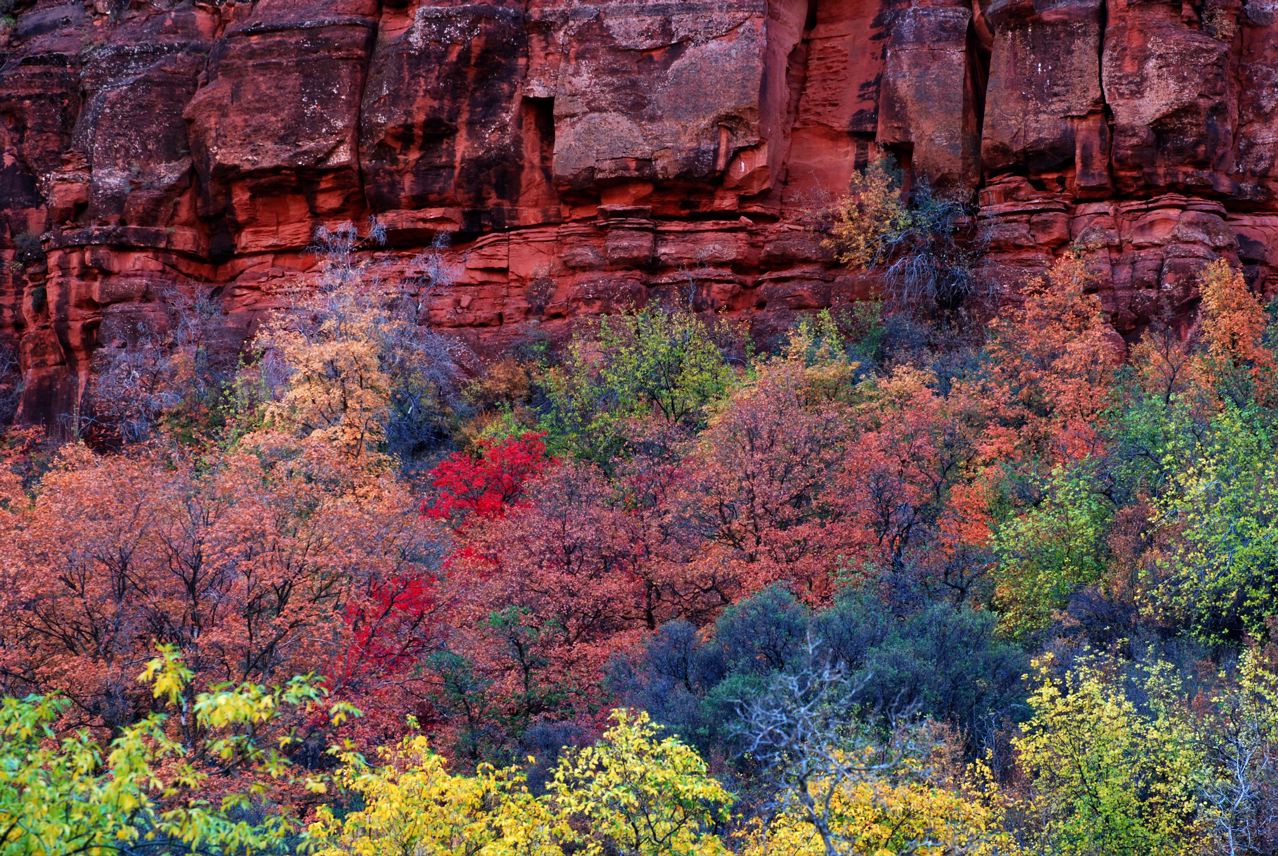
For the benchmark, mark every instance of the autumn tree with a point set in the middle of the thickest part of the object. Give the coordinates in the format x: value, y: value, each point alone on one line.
x: 633, y: 793
x: 263, y: 564
x: 541, y: 596
x: 350, y: 362
x: 412, y: 803
x: 914, y: 490
x: 486, y: 481
x: 758, y: 499
x: 1235, y: 359
x: 639, y: 794
x: 1051, y: 366
x: 1178, y: 379
x: 75, y: 620
x: 919, y: 241
x: 1104, y: 776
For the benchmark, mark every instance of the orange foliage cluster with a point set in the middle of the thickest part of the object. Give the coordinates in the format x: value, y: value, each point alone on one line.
x: 274, y: 561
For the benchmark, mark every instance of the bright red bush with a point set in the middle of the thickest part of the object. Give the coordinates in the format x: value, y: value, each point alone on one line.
x: 485, y: 484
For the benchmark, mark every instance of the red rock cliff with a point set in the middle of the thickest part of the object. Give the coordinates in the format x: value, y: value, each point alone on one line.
x: 576, y: 155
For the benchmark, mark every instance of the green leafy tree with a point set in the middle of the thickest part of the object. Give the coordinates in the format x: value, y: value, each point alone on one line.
x: 651, y: 369
x: 1216, y: 563
x: 79, y: 795
x: 1051, y: 550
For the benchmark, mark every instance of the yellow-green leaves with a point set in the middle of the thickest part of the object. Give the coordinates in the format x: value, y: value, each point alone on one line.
x: 167, y: 674
x: 1216, y: 563
x: 1051, y: 549
x: 634, y: 793
x: 884, y: 815
x: 639, y: 794
x: 639, y: 372
x: 412, y: 804
x: 82, y: 796
x: 1104, y: 776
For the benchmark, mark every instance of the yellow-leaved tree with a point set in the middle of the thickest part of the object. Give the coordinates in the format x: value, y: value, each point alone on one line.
x: 633, y: 793
x: 885, y: 815
x: 638, y: 794
x: 412, y: 804
x: 906, y: 794
x: 350, y: 363
x: 1105, y: 776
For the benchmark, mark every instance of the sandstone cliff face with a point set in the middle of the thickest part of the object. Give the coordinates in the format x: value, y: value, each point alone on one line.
x: 572, y: 156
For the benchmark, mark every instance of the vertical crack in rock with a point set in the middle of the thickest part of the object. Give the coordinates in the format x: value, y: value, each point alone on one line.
x: 374, y: 35
x: 1107, y: 115
x: 979, y: 42
x: 796, y: 75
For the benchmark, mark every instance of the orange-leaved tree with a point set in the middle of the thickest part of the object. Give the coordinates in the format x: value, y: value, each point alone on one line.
x: 1052, y: 364
x: 1234, y: 359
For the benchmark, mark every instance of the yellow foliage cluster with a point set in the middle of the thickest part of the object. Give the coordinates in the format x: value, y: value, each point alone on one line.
x: 1107, y: 777
x: 885, y: 816
x: 639, y: 794
x: 868, y: 218
x: 412, y: 804
x: 338, y: 391
x: 633, y: 792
